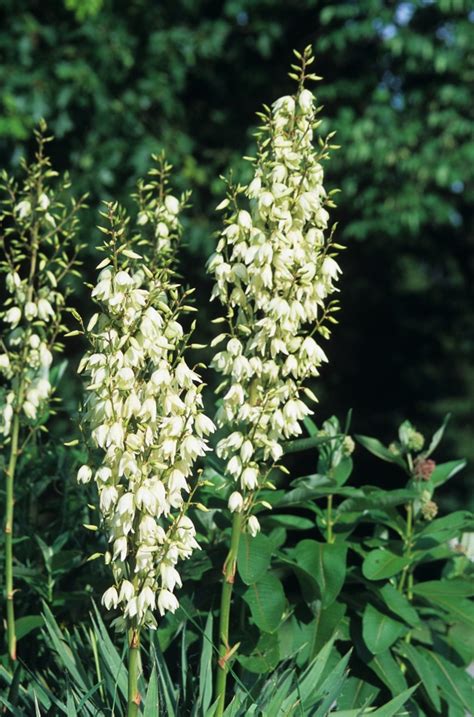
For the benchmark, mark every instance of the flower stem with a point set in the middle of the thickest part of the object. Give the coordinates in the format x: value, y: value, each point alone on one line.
x: 407, y: 552
x: 224, y: 617
x: 10, y: 502
x: 329, y: 520
x: 407, y: 574
x: 133, y: 663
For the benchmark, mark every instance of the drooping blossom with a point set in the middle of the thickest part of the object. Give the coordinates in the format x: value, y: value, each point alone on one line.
x: 275, y: 270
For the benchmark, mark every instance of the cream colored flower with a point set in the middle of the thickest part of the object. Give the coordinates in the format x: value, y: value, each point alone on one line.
x: 274, y: 269
x: 144, y: 412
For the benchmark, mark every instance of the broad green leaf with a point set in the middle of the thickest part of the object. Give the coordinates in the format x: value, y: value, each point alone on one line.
x: 423, y: 672
x: 306, y: 444
x: 253, y: 557
x: 264, y: 657
x: 342, y: 471
x: 443, y: 529
x: 445, y: 588
x: 460, y: 608
x: 324, y: 625
x: 455, y: 684
x: 399, y: 605
x: 292, y: 522
x: 293, y: 639
x: 371, y: 498
x: 24, y: 625
x: 307, y: 488
x: 381, y: 564
x: 389, y: 671
x: 310, y: 426
x: 460, y: 638
x: 444, y: 471
x: 266, y: 601
x: 379, y: 450
x: 379, y: 631
x: 326, y: 563
x: 152, y: 700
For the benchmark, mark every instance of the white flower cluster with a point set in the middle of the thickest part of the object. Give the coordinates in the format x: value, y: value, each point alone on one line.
x: 38, y: 251
x: 166, y: 222
x: 274, y: 270
x: 144, y: 413
x: 32, y: 315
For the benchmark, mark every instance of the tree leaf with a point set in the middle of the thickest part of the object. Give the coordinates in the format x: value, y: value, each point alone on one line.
x: 326, y: 563
x: 253, y: 557
x: 380, y: 631
x: 380, y: 564
x: 266, y: 601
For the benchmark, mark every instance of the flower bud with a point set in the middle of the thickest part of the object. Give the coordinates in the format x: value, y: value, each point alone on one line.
x: 236, y: 502
x: 167, y: 602
x: 110, y: 598
x: 253, y: 526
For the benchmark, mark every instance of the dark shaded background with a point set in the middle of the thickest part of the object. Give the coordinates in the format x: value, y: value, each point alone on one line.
x: 118, y: 80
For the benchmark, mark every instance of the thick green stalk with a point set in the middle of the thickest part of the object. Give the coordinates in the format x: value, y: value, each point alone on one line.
x: 225, y: 651
x: 133, y: 665
x: 10, y: 502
